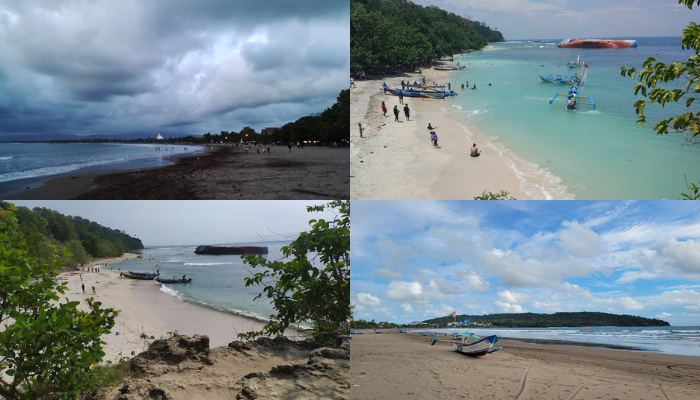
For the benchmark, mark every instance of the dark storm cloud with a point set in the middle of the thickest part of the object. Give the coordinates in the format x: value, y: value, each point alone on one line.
x: 104, y: 67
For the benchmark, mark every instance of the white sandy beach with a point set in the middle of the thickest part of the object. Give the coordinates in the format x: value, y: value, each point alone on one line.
x: 146, y: 309
x: 396, y: 160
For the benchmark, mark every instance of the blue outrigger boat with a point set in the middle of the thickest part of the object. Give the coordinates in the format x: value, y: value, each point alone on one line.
x: 560, y: 80
x: 433, y: 94
x: 572, y: 98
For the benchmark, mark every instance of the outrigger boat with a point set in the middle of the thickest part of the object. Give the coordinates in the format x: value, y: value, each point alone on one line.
x: 174, y: 280
x: 142, y: 277
x: 450, y: 68
x: 473, y: 345
x: 436, y: 94
x: 560, y: 80
x: 572, y: 98
x: 147, y: 274
x: 577, y: 63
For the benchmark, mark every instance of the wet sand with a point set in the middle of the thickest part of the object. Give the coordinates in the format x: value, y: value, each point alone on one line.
x: 225, y: 173
x: 393, y: 365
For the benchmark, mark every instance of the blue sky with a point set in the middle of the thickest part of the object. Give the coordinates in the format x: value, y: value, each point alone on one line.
x: 559, y: 19
x: 415, y: 260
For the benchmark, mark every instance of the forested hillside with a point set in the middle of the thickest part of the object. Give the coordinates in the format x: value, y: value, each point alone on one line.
x: 571, y: 319
x: 43, y: 228
x: 389, y: 33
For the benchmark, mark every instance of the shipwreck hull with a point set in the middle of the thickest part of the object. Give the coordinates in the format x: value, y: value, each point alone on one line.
x: 597, y: 43
x: 235, y: 250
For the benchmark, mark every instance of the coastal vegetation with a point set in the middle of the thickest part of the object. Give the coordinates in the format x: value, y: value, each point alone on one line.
x: 45, y: 230
x: 47, y: 348
x: 393, y: 33
x: 526, y: 320
x: 686, y: 76
x: 315, y: 290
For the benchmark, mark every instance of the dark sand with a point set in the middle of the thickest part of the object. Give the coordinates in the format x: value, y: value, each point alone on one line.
x: 227, y: 173
x: 393, y: 365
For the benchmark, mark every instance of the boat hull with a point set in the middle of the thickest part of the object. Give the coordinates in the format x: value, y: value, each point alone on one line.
x: 597, y: 43
x: 174, y: 280
x: 144, y: 278
x: 235, y: 250
x: 476, y: 349
x: 416, y: 93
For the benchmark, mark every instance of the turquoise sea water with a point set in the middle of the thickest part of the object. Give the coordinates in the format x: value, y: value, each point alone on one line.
x: 29, y: 164
x: 217, y: 281
x: 682, y: 340
x: 589, y: 153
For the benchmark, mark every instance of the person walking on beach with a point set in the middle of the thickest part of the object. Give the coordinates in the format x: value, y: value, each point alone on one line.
x: 83, y: 285
x: 290, y: 146
x: 361, y: 129
x: 352, y: 82
x: 435, y: 139
x: 396, y: 113
x: 93, y: 291
x: 384, y: 108
x: 403, y: 85
x: 475, y: 151
x: 407, y: 112
x: 400, y: 98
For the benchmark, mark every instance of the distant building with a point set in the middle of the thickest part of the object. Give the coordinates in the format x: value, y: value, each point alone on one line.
x: 158, y: 137
x: 268, y: 131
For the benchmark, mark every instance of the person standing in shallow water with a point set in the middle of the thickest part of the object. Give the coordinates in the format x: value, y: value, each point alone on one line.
x: 396, y: 113
x: 407, y: 112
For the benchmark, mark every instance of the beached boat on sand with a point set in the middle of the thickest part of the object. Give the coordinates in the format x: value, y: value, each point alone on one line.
x: 416, y: 93
x: 148, y: 274
x: 473, y: 345
x: 131, y: 276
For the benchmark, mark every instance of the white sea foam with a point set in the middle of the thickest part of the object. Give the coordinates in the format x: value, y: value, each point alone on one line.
x: 53, y: 170
x: 5, y: 158
x: 167, y: 290
x: 210, y: 263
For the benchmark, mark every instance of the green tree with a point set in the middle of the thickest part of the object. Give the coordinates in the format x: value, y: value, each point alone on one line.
x: 686, y: 76
x: 47, y: 347
x: 314, y: 289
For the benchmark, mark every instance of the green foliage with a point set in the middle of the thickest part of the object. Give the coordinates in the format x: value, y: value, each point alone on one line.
x: 685, y: 75
x: 693, y: 191
x: 560, y: 319
x: 394, y: 32
x: 492, y: 196
x: 316, y: 290
x: 47, y: 347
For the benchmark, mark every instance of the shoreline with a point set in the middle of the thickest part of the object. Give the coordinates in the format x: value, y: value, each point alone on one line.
x: 65, y: 184
x: 520, y: 370
x: 447, y: 173
x: 222, y: 173
x: 145, y: 308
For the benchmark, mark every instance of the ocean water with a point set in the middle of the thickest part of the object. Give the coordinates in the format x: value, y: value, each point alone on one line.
x: 29, y: 164
x: 589, y: 153
x: 682, y: 340
x: 217, y: 281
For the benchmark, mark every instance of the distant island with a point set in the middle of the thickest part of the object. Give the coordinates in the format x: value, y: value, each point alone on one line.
x: 525, y: 320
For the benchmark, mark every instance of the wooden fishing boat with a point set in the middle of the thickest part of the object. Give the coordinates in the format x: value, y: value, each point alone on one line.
x: 477, y: 346
x: 577, y: 63
x: 573, y: 98
x: 417, y: 93
x: 560, y: 80
x: 174, y: 280
x: 131, y: 276
x: 450, y: 68
x: 153, y: 274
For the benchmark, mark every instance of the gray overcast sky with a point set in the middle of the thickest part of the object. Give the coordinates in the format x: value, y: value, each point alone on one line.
x: 560, y: 19
x: 162, y: 223
x: 175, y: 67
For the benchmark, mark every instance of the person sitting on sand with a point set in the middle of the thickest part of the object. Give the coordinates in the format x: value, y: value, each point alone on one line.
x: 475, y: 151
x: 430, y: 126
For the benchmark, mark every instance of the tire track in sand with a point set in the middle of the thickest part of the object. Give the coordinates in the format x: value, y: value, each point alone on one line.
x: 523, y: 379
x: 574, y: 394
